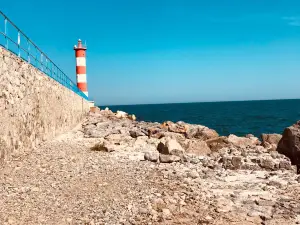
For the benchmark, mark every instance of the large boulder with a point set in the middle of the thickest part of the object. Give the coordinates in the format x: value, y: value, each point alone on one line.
x: 180, y: 138
x: 200, y: 132
x: 243, y: 142
x: 289, y: 144
x: 216, y: 144
x: 170, y: 147
x: 197, y: 147
x: 270, y: 141
x: 207, y: 133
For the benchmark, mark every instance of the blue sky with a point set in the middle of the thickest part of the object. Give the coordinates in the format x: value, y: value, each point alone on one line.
x: 163, y: 51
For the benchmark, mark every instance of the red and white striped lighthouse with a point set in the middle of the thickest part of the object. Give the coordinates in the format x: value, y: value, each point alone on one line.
x: 81, y: 67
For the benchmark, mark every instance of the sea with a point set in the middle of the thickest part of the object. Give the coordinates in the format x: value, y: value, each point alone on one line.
x: 237, y: 117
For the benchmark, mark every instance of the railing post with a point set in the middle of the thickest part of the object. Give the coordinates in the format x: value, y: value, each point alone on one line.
x: 51, y: 69
x: 28, y: 51
x: 42, y: 64
x: 46, y: 66
x: 5, y: 33
x: 36, y: 58
x: 19, y: 42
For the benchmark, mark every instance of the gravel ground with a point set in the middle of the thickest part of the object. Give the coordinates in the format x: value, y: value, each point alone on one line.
x: 65, y: 182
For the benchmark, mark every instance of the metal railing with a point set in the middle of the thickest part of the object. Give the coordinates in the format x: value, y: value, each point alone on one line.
x: 14, y: 40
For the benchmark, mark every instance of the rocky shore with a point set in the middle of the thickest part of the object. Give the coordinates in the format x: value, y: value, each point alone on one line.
x: 116, y: 170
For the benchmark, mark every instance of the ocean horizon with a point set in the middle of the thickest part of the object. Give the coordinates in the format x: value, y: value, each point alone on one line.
x: 226, y: 117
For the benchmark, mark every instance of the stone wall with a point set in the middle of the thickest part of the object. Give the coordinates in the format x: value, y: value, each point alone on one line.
x: 33, y: 107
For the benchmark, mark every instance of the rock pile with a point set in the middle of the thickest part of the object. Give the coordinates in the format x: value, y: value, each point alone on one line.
x: 181, y: 142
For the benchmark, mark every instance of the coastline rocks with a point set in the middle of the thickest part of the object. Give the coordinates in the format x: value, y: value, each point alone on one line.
x: 252, y: 159
x: 289, y: 145
x: 173, y: 142
x: 270, y: 141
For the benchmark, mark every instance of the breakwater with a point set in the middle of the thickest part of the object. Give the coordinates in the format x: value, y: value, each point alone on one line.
x: 33, y: 106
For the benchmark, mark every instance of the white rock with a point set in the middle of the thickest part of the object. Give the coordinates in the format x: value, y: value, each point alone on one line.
x: 121, y: 114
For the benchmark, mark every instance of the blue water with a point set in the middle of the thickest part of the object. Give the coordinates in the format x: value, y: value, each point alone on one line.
x: 240, y: 118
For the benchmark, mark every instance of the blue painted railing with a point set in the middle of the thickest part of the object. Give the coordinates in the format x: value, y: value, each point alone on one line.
x: 14, y: 40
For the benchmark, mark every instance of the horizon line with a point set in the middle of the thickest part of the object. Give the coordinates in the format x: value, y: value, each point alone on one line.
x: 220, y: 101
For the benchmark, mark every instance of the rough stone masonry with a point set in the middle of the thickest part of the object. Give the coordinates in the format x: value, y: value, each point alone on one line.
x: 33, y: 106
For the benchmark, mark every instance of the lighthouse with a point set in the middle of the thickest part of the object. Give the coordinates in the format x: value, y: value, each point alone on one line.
x: 80, y: 55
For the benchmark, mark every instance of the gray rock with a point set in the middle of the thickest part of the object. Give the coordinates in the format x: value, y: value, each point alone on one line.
x: 193, y: 174
x: 200, y: 132
x: 168, y: 158
x: 103, y: 146
x: 151, y: 156
x: 267, y: 163
x: 136, y: 133
x: 263, y: 202
x: 236, y: 161
x: 284, y: 164
x: 93, y: 133
x: 194, y: 160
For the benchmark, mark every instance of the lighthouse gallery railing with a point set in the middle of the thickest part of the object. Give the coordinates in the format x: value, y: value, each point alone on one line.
x: 14, y: 40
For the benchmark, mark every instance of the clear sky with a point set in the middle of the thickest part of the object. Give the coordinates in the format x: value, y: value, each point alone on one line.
x: 163, y: 51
